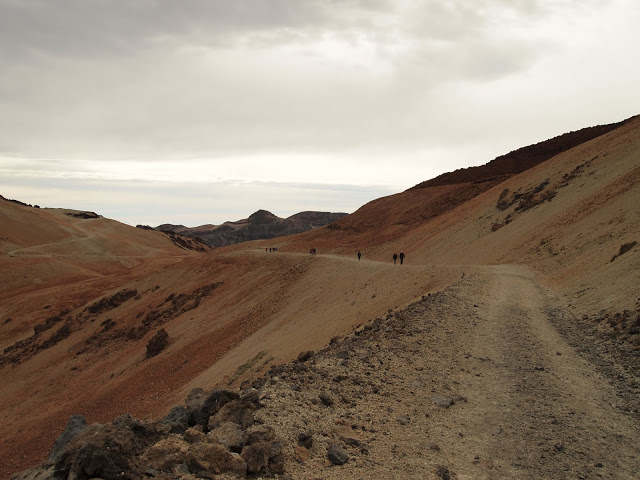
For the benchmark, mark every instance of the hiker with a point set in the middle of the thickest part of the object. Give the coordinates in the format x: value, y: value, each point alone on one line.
x: 359, y: 255
x: 401, y: 257
x: 395, y: 257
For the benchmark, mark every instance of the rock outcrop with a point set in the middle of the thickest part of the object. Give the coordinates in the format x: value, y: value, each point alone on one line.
x: 215, y: 433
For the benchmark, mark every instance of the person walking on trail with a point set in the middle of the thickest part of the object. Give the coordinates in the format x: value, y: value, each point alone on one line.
x: 395, y: 257
x: 359, y: 255
x: 401, y: 258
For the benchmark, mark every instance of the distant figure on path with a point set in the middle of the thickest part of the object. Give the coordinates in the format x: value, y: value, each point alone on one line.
x: 401, y: 258
x: 395, y: 257
x: 359, y: 255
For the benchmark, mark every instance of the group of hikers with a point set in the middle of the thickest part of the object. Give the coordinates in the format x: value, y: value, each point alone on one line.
x: 312, y: 251
x: 395, y: 257
x: 401, y: 256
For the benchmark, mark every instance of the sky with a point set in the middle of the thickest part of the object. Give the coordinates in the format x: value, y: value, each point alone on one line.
x: 203, y: 111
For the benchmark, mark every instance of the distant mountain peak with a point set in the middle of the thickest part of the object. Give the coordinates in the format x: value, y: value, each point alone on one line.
x: 263, y: 216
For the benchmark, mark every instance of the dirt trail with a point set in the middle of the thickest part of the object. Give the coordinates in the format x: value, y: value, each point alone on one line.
x: 535, y: 408
x: 525, y: 404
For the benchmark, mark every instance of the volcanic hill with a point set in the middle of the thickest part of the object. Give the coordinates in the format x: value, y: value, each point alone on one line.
x: 505, y: 346
x: 260, y: 225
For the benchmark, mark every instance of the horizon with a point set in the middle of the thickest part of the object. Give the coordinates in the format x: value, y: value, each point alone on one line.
x: 206, y: 112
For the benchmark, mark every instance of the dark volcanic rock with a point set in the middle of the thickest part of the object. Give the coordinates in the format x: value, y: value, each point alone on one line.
x: 103, y: 451
x: 157, y: 343
x: 202, y: 405
x: 337, y: 455
x: 235, y: 411
x: 304, y: 356
x: 305, y: 439
x: 624, y: 249
x: 176, y: 420
x: 325, y: 399
x: 75, y: 425
x: 83, y: 215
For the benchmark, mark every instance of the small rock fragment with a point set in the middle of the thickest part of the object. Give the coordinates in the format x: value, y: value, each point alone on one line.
x: 441, y: 401
x: 337, y: 455
x: 325, y: 399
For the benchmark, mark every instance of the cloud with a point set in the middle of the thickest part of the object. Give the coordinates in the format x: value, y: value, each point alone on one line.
x: 168, y: 81
x: 155, y: 202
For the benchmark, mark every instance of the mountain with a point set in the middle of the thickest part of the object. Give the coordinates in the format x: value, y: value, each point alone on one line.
x: 506, y: 346
x: 261, y: 225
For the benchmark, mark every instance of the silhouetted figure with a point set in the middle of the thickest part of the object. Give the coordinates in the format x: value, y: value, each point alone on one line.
x: 395, y: 257
x: 359, y: 255
x: 401, y: 258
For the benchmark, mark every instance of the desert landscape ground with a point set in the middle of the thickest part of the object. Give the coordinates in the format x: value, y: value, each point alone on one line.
x: 506, y: 346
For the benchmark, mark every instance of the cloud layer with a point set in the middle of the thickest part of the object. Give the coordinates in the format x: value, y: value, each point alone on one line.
x: 361, y: 91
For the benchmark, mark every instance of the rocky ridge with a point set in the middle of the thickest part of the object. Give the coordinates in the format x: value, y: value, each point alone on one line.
x: 260, y: 225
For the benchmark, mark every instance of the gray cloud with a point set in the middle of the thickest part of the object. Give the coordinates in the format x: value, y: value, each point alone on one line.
x: 168, y: 80
x: 107, y: 27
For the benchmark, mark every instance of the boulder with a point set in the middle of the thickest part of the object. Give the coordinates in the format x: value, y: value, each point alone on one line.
x: 166, y: 454
x: 235, y: 411
x: 194, y: 435
x: 202, y: 405
x: 304, y: 356
x: 103, y: 451
x: 214, y: 458
x: 75, y: 425
x: 256, y: 456
x: 260, y: 433
x: 176, y: 420
x: 228, y: 434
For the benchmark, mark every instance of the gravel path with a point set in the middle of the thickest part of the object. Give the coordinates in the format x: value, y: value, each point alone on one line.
x: 470, y: 383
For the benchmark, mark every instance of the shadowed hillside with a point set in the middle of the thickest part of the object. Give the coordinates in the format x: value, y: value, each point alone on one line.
x: 143, y: 321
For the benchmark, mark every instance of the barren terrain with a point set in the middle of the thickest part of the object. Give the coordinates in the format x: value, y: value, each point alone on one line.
x: 518, y: 306
x: 474, y: 381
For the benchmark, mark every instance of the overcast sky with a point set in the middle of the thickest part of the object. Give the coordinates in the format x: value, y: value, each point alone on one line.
x: 201, y: 111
